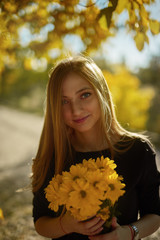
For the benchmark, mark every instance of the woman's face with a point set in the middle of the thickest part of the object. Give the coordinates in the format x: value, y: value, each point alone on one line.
x: 80, y: 105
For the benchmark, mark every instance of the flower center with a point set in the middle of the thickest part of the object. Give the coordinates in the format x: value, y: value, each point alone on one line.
x: 83, y: 193
x: 94, y: 184
x: 112, y: 187
x: 101, y: 168
x: 103, y: 213
x: 75, y: 178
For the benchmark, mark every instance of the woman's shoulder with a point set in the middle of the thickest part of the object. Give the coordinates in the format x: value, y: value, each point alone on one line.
x: 137, y: 144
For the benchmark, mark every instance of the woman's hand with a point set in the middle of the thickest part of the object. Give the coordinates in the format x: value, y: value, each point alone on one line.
x: 118, y: 233
x: 89, y: 227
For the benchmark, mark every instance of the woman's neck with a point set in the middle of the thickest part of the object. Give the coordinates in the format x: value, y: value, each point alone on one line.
x: 89, y: 141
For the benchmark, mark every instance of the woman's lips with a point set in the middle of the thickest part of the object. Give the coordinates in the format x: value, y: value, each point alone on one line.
x: 80, y: 120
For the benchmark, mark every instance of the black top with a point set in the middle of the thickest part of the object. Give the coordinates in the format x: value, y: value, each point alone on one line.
x: 138, y: 168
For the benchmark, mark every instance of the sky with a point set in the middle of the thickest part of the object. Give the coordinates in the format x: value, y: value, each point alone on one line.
x: 123, y: 48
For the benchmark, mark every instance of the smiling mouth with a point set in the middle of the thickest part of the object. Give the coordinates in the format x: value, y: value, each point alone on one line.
x: 80, y: 120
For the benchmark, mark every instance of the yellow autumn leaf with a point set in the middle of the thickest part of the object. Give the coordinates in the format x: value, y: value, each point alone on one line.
x: 146, y: 39
x: 154, y: 26
x: 146, y: 1
x: 143, y: 12
x: 135, y: 5
x: 121, y: 6
x: 110, y: 4
x: 103, y: 22
x: 11, y: 7
x: 27, y: 64
x: 139, y: 39
x: 132, y: 17
x: 42, y: 12
x: 129, y: 93
x: 140, y: 1
x: 1, y: 214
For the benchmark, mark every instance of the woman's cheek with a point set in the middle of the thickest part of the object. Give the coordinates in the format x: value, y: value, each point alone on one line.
x: 66, y: 115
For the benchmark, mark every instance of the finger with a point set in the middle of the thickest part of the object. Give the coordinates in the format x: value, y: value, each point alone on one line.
x: 96, y: 232
x: 97, y: 226
x: 90, y: 223
x: 88, y: 219
x: 114, y: 223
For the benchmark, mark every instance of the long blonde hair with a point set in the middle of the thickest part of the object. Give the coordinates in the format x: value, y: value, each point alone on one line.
x: 55, y: 142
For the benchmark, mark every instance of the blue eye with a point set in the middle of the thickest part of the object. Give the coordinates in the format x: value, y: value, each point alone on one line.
x: 85, y: 95
x: 64, y: 101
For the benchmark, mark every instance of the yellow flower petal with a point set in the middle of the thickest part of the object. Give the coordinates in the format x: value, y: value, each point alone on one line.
x: 104, y: 214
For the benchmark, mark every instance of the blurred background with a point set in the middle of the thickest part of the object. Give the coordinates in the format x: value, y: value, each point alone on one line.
x: 123, y: 38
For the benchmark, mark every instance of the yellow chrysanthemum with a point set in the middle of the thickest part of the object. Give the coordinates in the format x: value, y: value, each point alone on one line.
x: 82, y: 195
x: 82, y: 214
x: 75, y: 213
x: 104, y: 214
x: 105, y: 165
x: 64, y: 190
x: 52, y: 192
x: 97, y: 182
x: 86, y: 188
x: 89, y: 164
x: 115, y: 188
x: 76, y: 172
x: 88, y: 211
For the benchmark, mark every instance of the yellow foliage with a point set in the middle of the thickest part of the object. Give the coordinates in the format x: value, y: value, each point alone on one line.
x: 110, y: 4
x: 146, y: 1
x: 10, y: 7
x: 139, y: 39
x: 122, y: 4
x: 80, y: 31
x: 1, y: 65
x: 1, y: 214
x: 158, y: 124
x: 131, y: 101
x: 132, y: 17
x: 140, y: 1
x: 154, y: 26
x: 28, y: 63
x: 103, y: 22
x: 139, y: 20
x: 91, y: 14
x: 42, y: 12
x: 83, y: 18
x: 143, y: 12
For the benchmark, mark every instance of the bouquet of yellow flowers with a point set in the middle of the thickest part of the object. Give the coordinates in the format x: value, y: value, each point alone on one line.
x: 90, y: 188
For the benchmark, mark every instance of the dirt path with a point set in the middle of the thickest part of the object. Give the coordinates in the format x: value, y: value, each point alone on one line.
x: 19, y: 136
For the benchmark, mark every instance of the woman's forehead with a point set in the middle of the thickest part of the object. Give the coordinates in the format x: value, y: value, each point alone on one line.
x: 74, y: 82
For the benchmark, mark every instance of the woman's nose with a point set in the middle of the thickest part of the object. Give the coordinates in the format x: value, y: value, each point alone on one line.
x: 76, y: 108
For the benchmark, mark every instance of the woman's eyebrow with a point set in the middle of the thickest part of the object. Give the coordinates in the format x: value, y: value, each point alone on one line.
x: 81, y: 90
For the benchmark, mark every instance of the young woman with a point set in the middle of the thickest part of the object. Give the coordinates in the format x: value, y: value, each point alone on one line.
x: 80, y: 123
